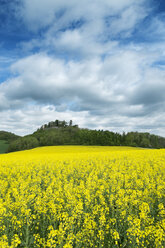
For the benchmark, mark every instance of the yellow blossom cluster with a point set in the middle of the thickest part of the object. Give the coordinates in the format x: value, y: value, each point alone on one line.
x: 80, y: 197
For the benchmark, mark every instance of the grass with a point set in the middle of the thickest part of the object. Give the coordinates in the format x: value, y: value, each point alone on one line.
x: 3, y: 146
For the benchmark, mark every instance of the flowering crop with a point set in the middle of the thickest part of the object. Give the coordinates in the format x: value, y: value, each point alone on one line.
x: 77, y: 196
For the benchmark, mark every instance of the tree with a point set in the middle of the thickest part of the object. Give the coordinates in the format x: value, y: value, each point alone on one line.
x: 56, y: 123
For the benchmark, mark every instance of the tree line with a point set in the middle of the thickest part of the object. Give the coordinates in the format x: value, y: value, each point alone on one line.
x: 66, y: 134
x: 7, y: 136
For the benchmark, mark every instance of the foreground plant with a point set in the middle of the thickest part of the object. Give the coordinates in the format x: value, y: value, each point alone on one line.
x: 82, y: 197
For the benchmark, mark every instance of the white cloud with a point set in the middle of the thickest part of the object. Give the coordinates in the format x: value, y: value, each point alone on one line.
x: 90, y: 76
x: 81, y: 28
x: 29, y: 119
x: 44, y: 79
x: 40, y: 13
x: 118, y: 89
x: 127, y: 20
x: 156, y: 30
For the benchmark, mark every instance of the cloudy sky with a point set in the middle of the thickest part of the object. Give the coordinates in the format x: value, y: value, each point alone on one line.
x: 100, y: 63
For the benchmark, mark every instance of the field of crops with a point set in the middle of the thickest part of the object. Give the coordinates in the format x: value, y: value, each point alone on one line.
x: 82, y: 197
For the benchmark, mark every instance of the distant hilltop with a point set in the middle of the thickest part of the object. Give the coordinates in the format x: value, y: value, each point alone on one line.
x: 65, y: 133
x: 58, y: 124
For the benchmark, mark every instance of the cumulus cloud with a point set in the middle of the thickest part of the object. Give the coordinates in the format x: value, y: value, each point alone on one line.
x: 29, y: 119
x: 81, y: 29
x: 150, y: 90
x: 111, y: 89
x: 85, y: 61
x: 26, y: 120
x: 39, y: 13
x: 84, y: 84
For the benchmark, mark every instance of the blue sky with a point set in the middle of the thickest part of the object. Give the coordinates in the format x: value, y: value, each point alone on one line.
x: 99, y: 63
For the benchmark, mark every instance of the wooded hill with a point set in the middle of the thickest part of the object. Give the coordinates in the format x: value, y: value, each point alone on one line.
x: 63, y: 133
x: 5, y: 139
x: 8, y: 136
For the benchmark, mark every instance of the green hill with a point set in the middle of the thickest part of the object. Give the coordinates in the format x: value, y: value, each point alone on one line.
x: 8, y: 136
x: 3, y: 146
x: 63, y: 133
x: 5, y: 139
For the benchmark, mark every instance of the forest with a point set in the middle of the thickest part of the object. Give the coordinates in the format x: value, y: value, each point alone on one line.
x: 63, y: 133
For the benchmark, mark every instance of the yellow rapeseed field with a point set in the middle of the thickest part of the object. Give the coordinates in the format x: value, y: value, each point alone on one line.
x: 79, y: 196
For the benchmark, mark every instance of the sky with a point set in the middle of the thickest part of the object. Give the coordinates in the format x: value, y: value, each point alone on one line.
x: 100, y: 63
